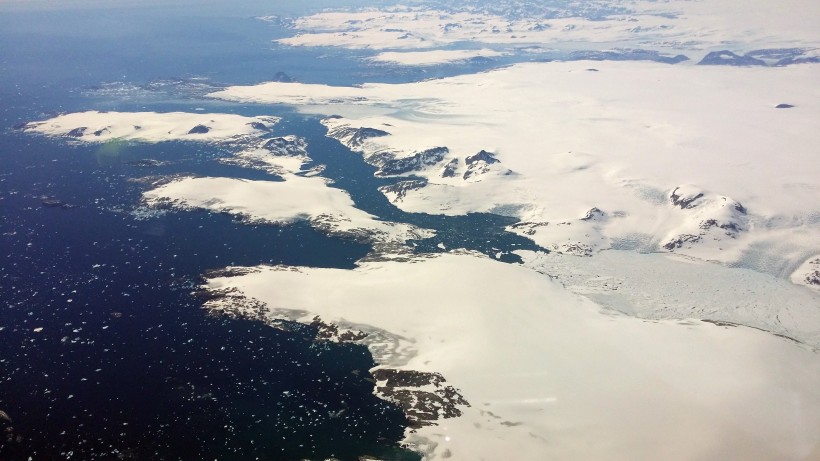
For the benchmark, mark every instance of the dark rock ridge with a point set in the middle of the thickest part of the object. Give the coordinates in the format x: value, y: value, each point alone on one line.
x: 422, y: 407
x: 710, y: 223
x: 812, y: 278
x: 710, y: 213
x: 199, y: 129
x: 479, y: 164
x: 286, y: 146
x: 689, y: 201
x: 594, y: 214
x: 355, y: 137
x: 450, y: 169
x: 77, y: 132
x: 783, y: 105
x: 401, y: 188
x: 418, y: 161
x: 528, y: 227
x: 681, y: 240
x: 424, y: 397
x: 482, y: 156
x: 684, y: 201
x: 331, y: 332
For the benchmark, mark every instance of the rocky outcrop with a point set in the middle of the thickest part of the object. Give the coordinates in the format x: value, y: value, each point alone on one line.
x: 286, y: 146
x: 77, y: 132
x: 704, y: 214
x: 419, y: 161
x: 199, y: 129
x: 594, y: 214
x: 482, y: 163
x: 682, y: 200
x: 424, y: 396
x: 396, y: 192
x: 450, y: 168
x: 527, y: 227
x: 680, y: 241
x: 355, y: 137
x: 808, y: 274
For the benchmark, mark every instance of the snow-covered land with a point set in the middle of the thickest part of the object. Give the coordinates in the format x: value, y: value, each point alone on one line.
x: 283, y: 202
x: 95, y: 126
x: 712, y: 168
x: 298, y: 195
x: 696, y: 160
x: 510, y: 364
x: 690, y: 26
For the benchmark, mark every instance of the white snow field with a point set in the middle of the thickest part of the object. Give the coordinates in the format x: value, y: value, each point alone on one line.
x: 674, y: 26
x: 549, y: 374
x: 283, y: 202
x: 95, y: 126
x: 692, y: 159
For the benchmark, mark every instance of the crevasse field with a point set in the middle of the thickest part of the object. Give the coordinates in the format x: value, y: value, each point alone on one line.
x: 428, y: 230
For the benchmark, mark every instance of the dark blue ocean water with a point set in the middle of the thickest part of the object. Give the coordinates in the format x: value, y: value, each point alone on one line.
x: 127, y: 365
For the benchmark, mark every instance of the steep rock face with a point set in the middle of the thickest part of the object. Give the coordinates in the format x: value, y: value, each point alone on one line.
x: 594, y: 214
x: 396, y: 192
x: 77, y: 132
x: 286, y: 146
x: 355, y: 137
x: 704, y: 215
x: 481, y: 164
x: 419, y: 161
x: 199, y: 129
x: 684, y: 198
x: 450, y: 168
x: 727, y: 58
